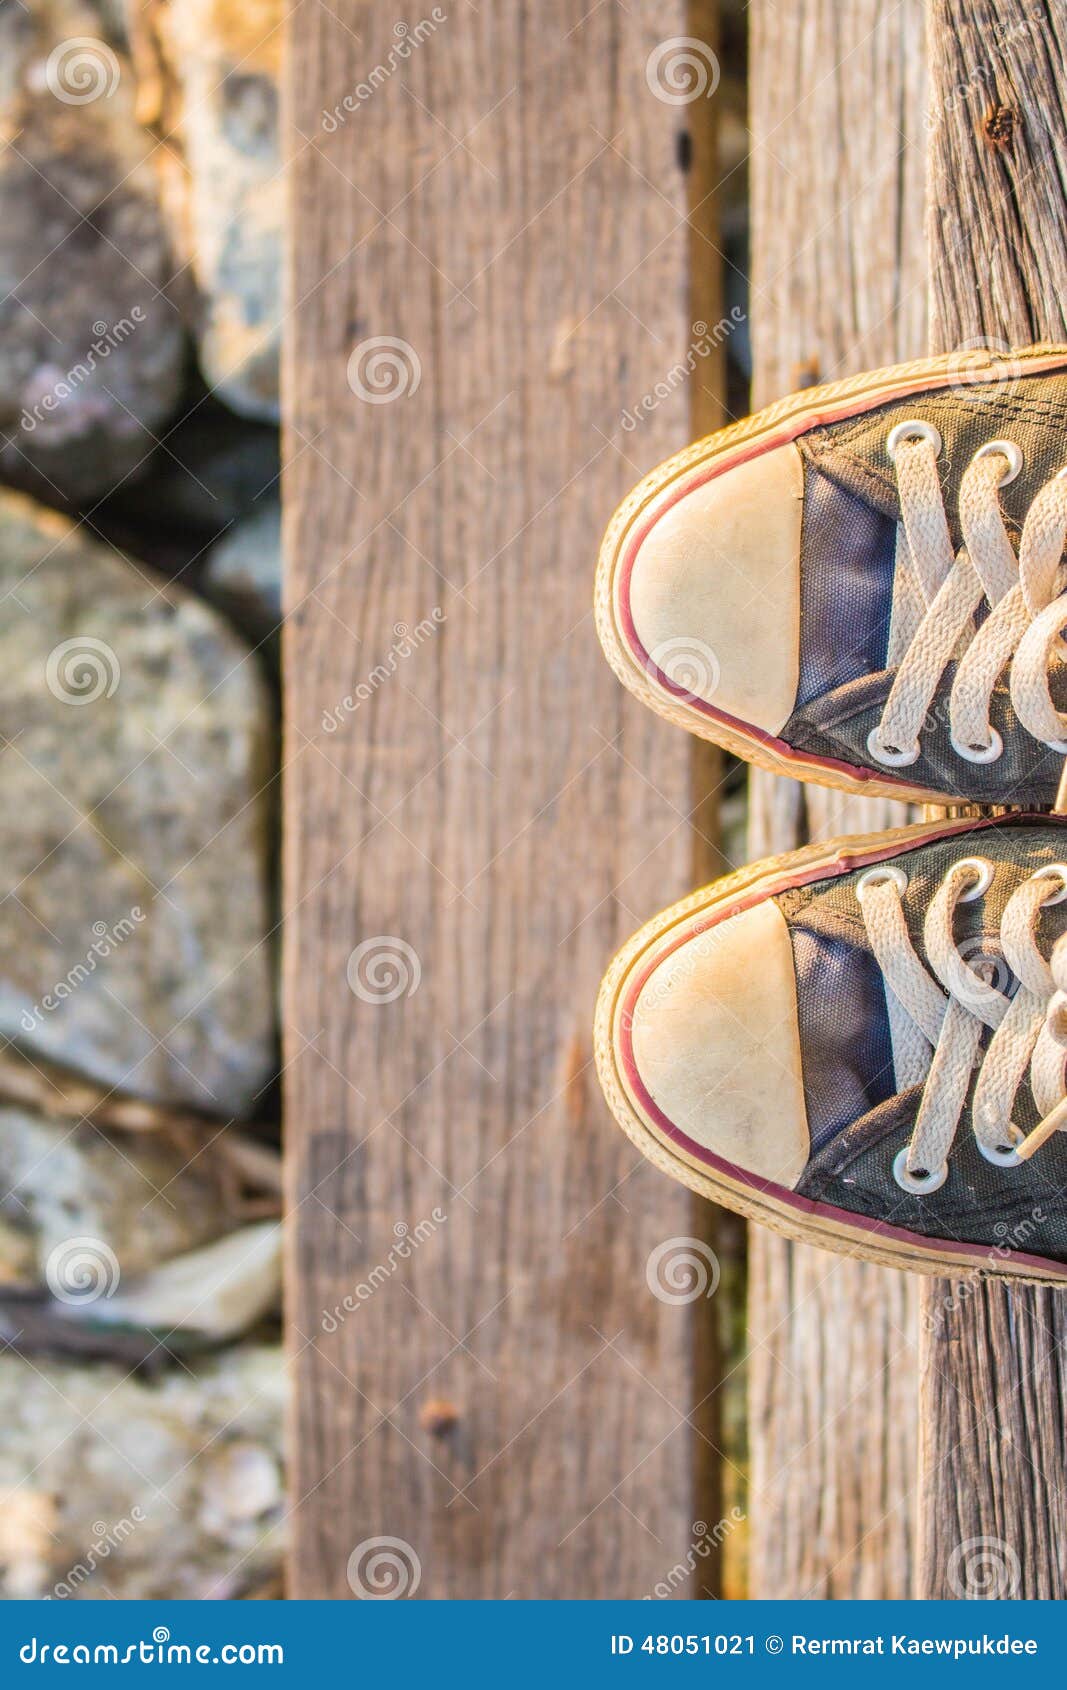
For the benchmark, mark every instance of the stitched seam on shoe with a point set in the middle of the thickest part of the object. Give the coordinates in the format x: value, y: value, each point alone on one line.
x: 824, y: 448
x: 1051, y: 410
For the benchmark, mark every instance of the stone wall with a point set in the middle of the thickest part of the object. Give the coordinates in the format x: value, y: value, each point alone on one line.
x: 140, y: 573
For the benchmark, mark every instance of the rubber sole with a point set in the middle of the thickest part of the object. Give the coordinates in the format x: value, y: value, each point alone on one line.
x: 713, y: 456
x: 795, y: 1217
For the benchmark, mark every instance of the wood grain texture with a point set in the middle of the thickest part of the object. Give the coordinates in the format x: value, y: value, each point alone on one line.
x: 505, y: 1394
x: 838, y: 284
x: 993, y: 1368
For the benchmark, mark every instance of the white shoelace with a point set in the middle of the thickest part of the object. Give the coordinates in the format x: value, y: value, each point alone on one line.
x: 937, y: 1027
x: 937, y: 594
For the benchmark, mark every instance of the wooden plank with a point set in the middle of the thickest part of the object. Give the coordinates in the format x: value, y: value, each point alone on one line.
x: 506, y: 1396
x: 838, y: 284
x: 993, y: 1367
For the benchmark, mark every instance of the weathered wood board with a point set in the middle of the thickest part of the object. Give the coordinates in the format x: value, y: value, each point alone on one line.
x: 488, y: 274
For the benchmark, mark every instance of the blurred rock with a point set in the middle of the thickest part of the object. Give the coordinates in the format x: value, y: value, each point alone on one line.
x: 203, y: 1298
x: 243, y: 575
x: 144, y: 1195
x: 135, y: 830
x: 91, y: 348
x: 111, y: 1487
x: 208, y: 75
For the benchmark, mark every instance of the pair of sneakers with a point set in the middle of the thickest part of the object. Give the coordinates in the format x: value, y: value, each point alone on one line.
x: 863, y: 1043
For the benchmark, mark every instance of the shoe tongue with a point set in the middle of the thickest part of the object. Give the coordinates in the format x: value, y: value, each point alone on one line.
x: 846, y: 589
x: 844, y: 1031
x: 892, y: 1118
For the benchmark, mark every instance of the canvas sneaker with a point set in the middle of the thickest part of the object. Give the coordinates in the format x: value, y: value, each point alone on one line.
x: 862, y: 1044
x: 862, y: 584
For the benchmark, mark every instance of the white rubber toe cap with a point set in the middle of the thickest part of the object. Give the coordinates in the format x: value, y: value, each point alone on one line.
x: 714, y: 593
x: 715, y: 1045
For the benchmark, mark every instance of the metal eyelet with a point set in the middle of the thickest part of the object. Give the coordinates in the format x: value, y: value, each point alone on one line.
x: 882, y: 874
x: 915, y: 429
x: 979, y: 753
x: 1053, y: 871
x: 1003, y: 449
x: 885, y: 754
x: 919, y: 1184
x: 1005, y: 1155
x: 983, y: 868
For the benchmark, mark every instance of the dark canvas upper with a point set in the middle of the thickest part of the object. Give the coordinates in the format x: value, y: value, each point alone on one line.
x: 850, y: 516
x: 858, y: 1123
